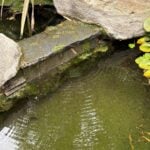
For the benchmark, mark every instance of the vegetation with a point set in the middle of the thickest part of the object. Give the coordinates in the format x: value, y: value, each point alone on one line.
x: 144, y: 46
x: 22, y: 7
x: 17, y: 5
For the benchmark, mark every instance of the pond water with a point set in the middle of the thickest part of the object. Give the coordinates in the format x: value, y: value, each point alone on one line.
x: 106, y: 109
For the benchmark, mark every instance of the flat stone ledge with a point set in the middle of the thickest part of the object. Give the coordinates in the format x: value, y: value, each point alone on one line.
x: 55, y: 39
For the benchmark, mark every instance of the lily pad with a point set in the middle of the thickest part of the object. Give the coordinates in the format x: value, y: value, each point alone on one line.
x: 147, y: 74
x: 144, y: 61
x: 147, y: 25
x: 131, y: 45
x: 145, y: 47
x: 143, y: 40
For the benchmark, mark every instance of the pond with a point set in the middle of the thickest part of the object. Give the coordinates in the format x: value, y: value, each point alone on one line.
x: 106, y: 109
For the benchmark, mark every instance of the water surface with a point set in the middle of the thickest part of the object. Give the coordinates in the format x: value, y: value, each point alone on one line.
x: 106, y: 109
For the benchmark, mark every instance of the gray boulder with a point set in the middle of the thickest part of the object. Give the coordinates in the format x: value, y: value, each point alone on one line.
x: 122, y: 19
x: 9, y: 58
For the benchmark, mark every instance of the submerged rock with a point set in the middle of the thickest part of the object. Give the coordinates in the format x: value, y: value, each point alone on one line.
x: 122, y: 19
x: 9, y: 58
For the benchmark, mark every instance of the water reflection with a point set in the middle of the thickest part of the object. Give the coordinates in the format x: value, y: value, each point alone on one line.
x: 89, y: 123
x: 6, y: 141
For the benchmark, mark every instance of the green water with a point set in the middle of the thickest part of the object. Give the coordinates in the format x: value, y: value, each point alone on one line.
x: 101, y: 110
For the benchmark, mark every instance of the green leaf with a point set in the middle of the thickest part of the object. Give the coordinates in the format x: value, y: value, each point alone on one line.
x: 139, y: 60
x: 131, y: 45
x: 146, y: 56
x: 144, y: 61
x: 143, y: 40
x: 147, y: 25
x: 145, y: 47
x: 147, y: 73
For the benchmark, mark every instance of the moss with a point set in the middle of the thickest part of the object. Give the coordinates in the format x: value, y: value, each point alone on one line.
x: 28, y: 91
x: 86, y: 46
x: 83, y: 62
x: 57, y: 48
x: 84, y: 56
x: 38, y: 87
x: 5, y: 104
x: 102, y: 48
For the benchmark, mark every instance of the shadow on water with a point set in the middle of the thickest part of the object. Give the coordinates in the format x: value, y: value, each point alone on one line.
x: 107, y: 108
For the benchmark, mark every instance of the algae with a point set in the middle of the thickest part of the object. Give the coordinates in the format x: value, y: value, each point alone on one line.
x: 58, y: 48
x: 5, y: 104
x: 86, y: 46
x: 102, y: 48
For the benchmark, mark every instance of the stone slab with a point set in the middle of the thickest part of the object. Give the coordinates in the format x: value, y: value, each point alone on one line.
x: 54, y: 39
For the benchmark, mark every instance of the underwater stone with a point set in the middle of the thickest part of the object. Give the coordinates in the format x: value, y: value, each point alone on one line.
x: 122, y: 19
x: 10, y: 54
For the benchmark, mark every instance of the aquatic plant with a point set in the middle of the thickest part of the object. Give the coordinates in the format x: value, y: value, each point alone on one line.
x: 144, y: 63
x: 144, y: 46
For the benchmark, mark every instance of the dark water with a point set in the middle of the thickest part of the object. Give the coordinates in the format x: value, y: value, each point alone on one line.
x: 107, y: 109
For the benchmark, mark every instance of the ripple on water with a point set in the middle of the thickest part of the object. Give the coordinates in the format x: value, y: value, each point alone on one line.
x: 89, y: 124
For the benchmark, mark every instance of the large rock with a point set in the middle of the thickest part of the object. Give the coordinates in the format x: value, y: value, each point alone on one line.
x: 9, y: 58
x: 122, y: 19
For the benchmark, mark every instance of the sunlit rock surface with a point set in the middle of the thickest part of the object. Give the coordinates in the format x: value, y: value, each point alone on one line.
x: 122, y: 19
x: 9, y: 58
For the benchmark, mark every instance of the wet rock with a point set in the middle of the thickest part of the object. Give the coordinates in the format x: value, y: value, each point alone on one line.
x: 9, y: 58
x: 122, y: 19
